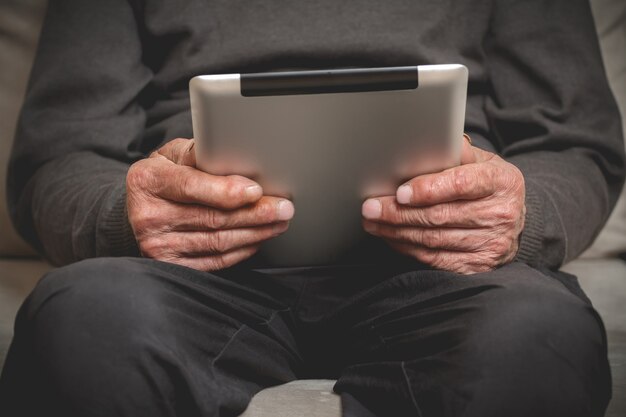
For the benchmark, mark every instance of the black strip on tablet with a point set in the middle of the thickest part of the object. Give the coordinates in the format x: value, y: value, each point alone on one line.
x: 325, y: 82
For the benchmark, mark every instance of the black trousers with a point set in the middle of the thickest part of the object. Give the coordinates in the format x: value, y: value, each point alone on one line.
x: 137, y: 337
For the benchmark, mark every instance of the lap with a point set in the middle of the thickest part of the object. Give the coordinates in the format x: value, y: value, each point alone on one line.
x: 158, y: 330
x: 421, y: 339
x: 503, y: 339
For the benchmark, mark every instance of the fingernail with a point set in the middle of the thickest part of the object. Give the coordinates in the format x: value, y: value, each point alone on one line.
x: 372, y: 209
x: 254, y: 191
x: 404, y: 194
x: 285, y: 210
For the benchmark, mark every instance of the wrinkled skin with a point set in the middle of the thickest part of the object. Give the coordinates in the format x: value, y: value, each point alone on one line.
x: 466, y: 219
x: 185, y: 216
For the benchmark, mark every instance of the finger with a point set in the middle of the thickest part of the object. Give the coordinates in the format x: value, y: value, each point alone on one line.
x: 222, y: 241
x: 471, y: 154
x: 464, y: 182
x: 467, y: 153
x: 187, y: 217
x: 459, y: 262
x: 461, y: 214
x: 466, y: 240
x: 180, y: 151
x: 217, y: 262
x: 185, y: 184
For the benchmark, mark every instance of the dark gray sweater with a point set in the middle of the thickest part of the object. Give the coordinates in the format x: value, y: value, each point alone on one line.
x: 110, y: 84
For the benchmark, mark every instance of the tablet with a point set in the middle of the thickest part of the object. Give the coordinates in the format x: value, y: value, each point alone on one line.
x: 328, y: 140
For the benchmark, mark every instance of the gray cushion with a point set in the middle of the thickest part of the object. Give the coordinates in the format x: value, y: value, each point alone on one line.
x: 604, y: 281
x: 20, y: 21
x: 303, y: 398
x: 610, y: 17
x: 17, y: 279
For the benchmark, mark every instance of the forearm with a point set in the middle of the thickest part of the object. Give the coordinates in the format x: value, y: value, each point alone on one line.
x: 74, y: 208
x: 80, y: 128
x: 551, y: 113
x: 568, y: 199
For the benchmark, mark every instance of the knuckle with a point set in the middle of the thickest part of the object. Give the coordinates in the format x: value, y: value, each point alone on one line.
x: 499, y: 246
x: 188, y: 182
x: 152, y: 247
x: 229, y: 184
x: 432, y: 238
x: 494, y: 173
x: 231, y: 189
x: 439, y: 259
x: 139, y: 175
x: 459, y: 266
x: 216, y: 219
x: 218, y: 262
x: 462, y: 180
x: 265, y: 212
x: 399, y: 216
x: 140, y: 224
x: 392, y: 214
x: 143, y: 220
x: 430, y: 189
x: 426, y: 256
x: 466, y: 240
x: 439, y: 215
x: 424, y: 188
x: 506, y: 212
x: 218, y: 242
x: 439, y: 239
x: 413, y: 217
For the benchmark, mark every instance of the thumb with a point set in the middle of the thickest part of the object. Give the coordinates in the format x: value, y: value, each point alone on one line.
x: 471, y: 154
x: 180, y: 151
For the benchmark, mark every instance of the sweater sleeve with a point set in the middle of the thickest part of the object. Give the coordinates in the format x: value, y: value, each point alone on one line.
x: 79, y: 131
x: 552, y: 114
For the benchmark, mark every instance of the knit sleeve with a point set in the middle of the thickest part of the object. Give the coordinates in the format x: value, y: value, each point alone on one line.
x: 552, y: 114
x: 79, y: 131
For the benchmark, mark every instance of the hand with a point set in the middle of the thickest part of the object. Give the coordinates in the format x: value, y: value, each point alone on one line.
x: 182, y: 215
x: 466, y: 219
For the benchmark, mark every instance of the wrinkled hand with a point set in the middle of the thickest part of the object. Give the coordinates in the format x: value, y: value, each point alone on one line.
x: 466, y: 219
x: 185, y: 216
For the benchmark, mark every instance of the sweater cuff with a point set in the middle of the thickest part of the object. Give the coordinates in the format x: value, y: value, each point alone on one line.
x: 117, y: 230
x: 532, y: 236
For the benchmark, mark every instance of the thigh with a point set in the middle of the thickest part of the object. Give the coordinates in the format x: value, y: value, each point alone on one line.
x: 512, y: 342
x: 127, y: 336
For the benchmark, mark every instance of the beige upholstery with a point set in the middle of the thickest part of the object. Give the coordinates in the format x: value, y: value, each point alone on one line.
x: 17, y: 279
x: 610, y: 17
x: 303, y: 398
x: 20, y: 21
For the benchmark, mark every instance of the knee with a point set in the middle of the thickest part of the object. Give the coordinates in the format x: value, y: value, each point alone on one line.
x: 528, y: 311
x: 92, y: 301
x: 533, y: 342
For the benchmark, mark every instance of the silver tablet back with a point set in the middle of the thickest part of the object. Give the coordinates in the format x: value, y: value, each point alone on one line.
x: 328, y: 140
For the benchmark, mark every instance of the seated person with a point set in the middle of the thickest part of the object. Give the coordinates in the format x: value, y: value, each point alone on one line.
x: 162, y: 308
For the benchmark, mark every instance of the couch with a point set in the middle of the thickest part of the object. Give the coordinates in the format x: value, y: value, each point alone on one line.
x: 601, y: 271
